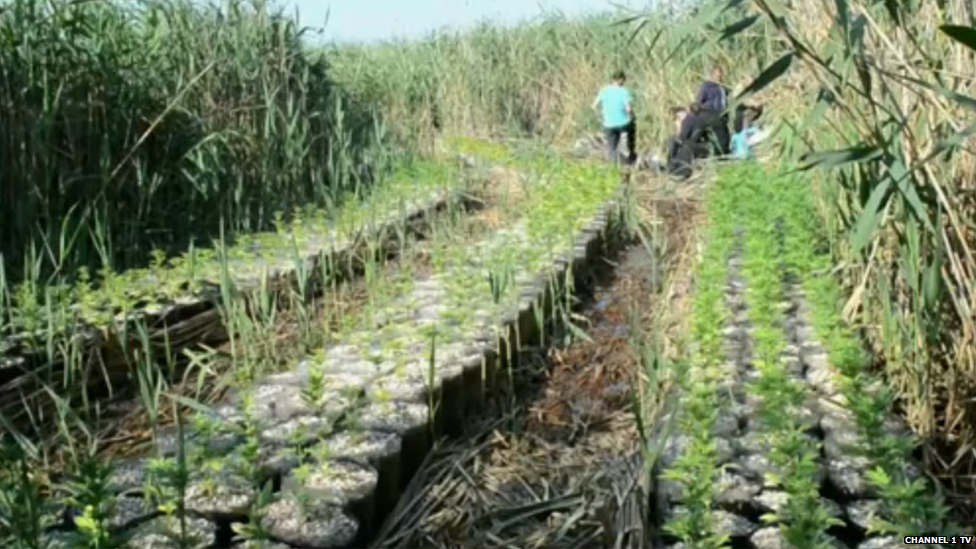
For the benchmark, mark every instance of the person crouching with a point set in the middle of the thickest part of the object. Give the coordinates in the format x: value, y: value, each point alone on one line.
x: 689, y: 142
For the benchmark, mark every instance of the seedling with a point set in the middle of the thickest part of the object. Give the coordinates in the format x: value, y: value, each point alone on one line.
x: 314, y: 392
x: 499, y: 282
x: 906, y: 505
x: 252, y: 530
x: 89, y: 491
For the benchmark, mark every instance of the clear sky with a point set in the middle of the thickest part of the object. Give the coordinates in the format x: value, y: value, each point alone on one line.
x: 370, y: 20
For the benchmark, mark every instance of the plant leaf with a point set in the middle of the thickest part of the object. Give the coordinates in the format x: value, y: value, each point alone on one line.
x: 833, y: 159
x: 899, y: 174
x: 26, y: 446
x: 578, y: 332
x: 633, y: 35
x: 190, y: 403
x: 932, y: 277
x: 816, y: 114
x: 894, y: 10
x: 868, y: 221
x: 857, y: 33
x: 629, y: 20
x: 932, y: 281
x: 768, y: 75
x: 955, y: 140
x: 653, y: 42
x: 964, y: 35
x: 963, y: 99
x: 738, y: 26
x: 843, y: 15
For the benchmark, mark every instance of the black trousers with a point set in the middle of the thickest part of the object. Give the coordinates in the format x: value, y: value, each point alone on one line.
x: 715, y: 126
x: 613, y: 141
x: 682, y: 154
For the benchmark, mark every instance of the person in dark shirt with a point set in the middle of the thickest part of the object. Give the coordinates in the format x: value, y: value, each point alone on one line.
x: 713, y: 99
x: 713, y: 95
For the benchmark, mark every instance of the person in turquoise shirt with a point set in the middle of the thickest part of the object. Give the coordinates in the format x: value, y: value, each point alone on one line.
x: 616, y: 107
x: 743, y: 139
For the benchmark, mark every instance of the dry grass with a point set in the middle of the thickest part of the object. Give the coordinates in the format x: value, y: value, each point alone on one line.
x: 503, y: 187
x: 540, y: 475
x: 526, y: 490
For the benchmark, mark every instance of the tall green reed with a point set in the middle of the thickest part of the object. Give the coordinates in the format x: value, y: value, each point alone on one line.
x: 121, y: 118
x: 534, y: 79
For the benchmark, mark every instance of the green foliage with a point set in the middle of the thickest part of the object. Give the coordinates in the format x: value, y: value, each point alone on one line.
x: 40, y: 312
x: 793, y: 454
x: 24, y: 512
x: 252, y: 532
x: 535, y: 79
x: 899, y: 163
x: 314, y: 391
x: 908, y: 504
x: 89, y: 491
x: 140, y: 126
x: 696, y: 470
